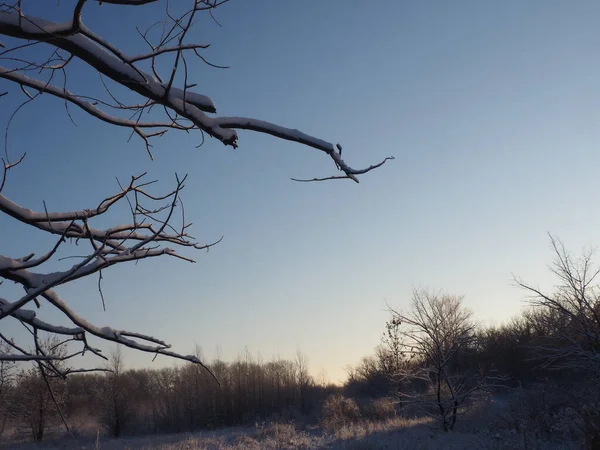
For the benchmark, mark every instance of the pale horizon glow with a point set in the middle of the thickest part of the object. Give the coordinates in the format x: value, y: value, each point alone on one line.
x: 492, y: 111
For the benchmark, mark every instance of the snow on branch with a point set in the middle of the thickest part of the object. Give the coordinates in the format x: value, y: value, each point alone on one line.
x: 186, y: 109
x: 150, y: 227
x: 39, y: 57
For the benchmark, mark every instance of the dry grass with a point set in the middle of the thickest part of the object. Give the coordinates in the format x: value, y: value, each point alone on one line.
x: 342, y: 427
x: 394, y: 434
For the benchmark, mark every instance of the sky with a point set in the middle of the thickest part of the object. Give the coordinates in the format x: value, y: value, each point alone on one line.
x: 491, y: 110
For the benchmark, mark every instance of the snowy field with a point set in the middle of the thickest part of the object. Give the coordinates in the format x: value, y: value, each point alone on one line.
x: 392, y: 434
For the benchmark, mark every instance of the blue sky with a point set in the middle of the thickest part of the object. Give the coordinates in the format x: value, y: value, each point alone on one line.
x: 491, y: 109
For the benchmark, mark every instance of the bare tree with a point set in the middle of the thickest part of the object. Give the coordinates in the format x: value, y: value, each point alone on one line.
x: 41, y: 390
x: 569, y: 321
x: 38, y: 58
x: 6, y: 384
x: 436, y: 336
x: 113, y: 395
x: 304, y: 379
x: 570, y: 316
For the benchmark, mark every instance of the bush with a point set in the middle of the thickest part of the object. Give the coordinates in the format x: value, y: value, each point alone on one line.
x: 542, y: 411
x: 277, y: 431
x: 378, y: 410
x: 339, y: 411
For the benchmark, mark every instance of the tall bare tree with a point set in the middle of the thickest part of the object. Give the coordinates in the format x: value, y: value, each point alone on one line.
x: 6, y: 384
x: 304, y: 379
x: 435, y: 338
x: 38, y: 58
x: 113, y: 395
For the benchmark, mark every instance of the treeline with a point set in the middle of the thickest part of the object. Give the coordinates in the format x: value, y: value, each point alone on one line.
x: 513, y: 351
x: 435, y: 357
x: 176, y: 399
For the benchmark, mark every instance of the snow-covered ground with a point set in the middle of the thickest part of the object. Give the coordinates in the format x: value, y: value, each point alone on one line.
x: 393, y: 434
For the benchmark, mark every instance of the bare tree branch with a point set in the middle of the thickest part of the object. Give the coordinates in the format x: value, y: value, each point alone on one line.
x: 113, y: 63
x: 40, y: 57
x: 571, y: 314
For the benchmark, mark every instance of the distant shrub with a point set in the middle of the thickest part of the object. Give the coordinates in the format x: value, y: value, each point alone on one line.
x: 378, y: 410
x: 339, y: 411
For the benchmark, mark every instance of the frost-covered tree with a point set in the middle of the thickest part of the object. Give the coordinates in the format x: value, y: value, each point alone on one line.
x: 149, y: 93
x: 435, y: 342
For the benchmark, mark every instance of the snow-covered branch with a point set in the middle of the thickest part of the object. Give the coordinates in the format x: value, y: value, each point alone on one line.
x: 108, y: 247
x: 150, y: 93
x: 100, y: 55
